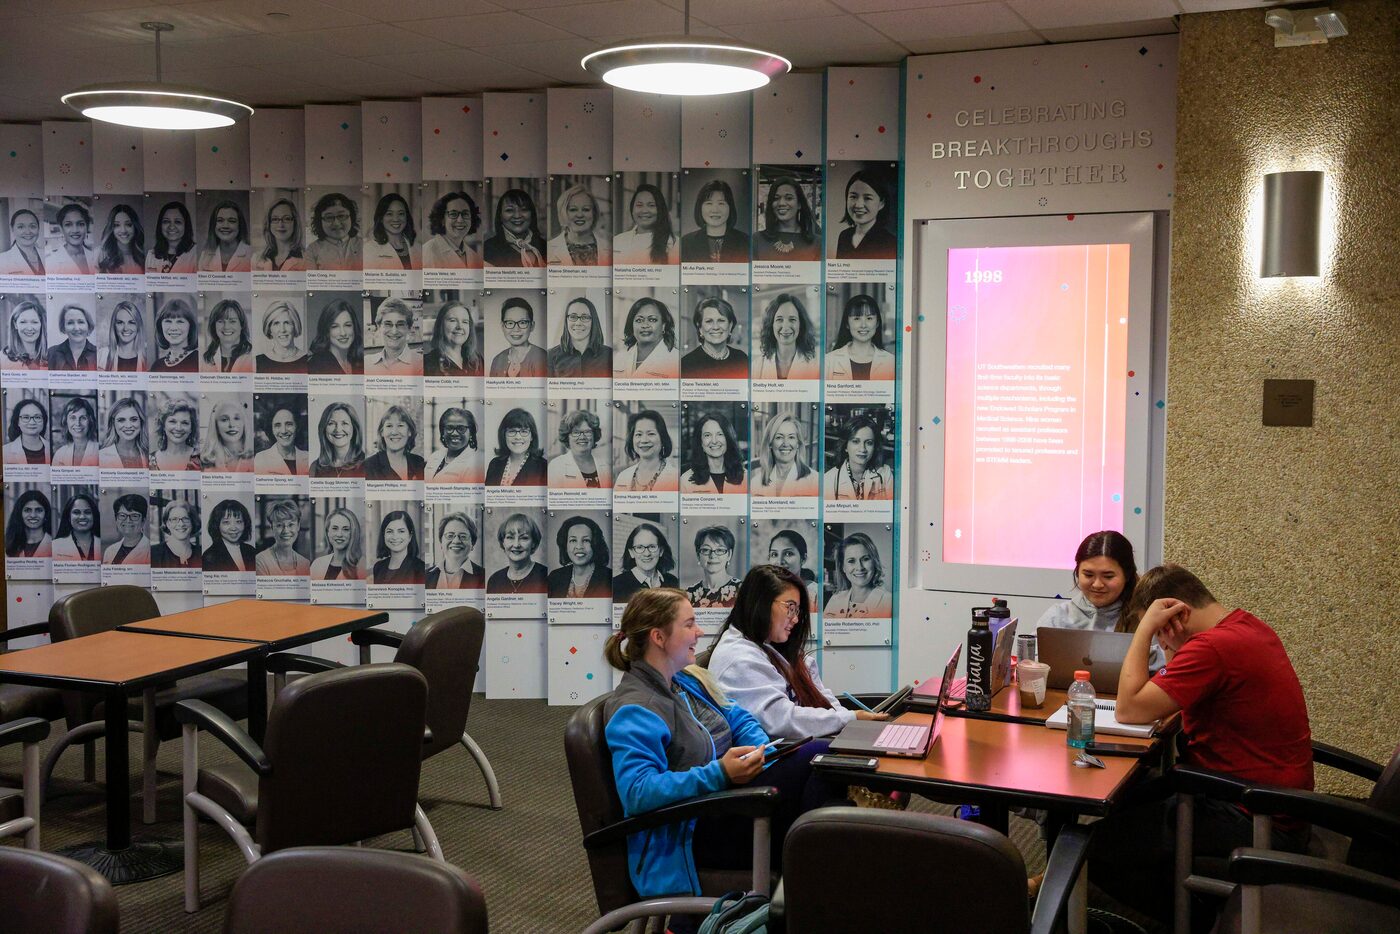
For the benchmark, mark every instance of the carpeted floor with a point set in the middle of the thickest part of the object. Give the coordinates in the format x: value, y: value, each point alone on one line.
x: 527, y: 856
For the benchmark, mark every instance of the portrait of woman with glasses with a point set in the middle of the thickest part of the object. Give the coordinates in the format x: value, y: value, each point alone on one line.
x: 457, y: 541
x: 521, y: 358
x: 577, y: 468
x: 179, y: 522
x: 581, y: 351
x: 647, y: 562
x: 27, y: 435
x: 336, y: 226
x: 714, y: 549
x: 454, y: 217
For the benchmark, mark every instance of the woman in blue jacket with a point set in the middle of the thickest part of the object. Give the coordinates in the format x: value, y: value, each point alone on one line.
x: 674, y: 736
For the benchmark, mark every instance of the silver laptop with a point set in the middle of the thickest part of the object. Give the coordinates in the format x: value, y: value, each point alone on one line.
x: 1068, y: 650
x: 904, y: 740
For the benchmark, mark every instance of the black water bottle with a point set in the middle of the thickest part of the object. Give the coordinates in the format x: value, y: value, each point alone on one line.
x: 979, y: 661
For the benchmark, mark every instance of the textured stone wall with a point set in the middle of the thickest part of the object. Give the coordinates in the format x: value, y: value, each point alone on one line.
x: 1298, y: 525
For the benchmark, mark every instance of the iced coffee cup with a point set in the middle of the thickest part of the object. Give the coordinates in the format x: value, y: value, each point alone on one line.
x: 1031, y: 680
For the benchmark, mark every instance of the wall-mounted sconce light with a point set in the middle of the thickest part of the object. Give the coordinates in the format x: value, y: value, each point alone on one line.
x: 1292, y: 224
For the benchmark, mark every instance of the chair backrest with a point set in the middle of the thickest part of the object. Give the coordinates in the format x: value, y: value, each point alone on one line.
x: 595, y: 797
x: 42, y: 893
x: 913, y: 868
x: 99, y: 609
x: 1385, y: 796
x: 345, y: 748
x: 341, y: 889
x: 446, y: 647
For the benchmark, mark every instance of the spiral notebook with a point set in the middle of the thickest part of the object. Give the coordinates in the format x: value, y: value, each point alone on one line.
x: 1105, y: 721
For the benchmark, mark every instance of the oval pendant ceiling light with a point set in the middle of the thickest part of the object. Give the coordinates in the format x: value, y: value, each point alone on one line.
x: 685, y: 65
x: 155, y: 105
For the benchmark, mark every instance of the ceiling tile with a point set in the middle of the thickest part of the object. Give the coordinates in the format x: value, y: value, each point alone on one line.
x: 558, y: 60
x: 364, y: 41
x: 726, y: 12
x: 461, y: 68
x: 485, y: 29
x: 969, y: 19
x: 617, y: 17
x: 873, y: 6
x: 1150, y: 27
x: 1215, y: 6
x: 826, y: 40
x: 399, y: 10
x: 934, y: 44
x: 252, y: 15
x: 1059, y: 14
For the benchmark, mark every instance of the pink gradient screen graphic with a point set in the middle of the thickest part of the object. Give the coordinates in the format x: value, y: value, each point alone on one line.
x: 1036, y: 385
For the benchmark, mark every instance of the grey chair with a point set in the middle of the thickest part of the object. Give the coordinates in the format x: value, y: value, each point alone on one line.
x: 344, y: 890
x: 41, y: 893
x: 340, y: 764
x: 1284, y: 893
x: 19, y: 807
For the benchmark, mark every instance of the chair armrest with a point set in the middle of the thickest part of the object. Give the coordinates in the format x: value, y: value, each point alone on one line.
x: 1249, y: 866
x: 1193, y: 781
x: 377, y: 637
x: 1061, y: 873
x: 24, y: 730
x: 750, y: 801
x: 282, y: 663
x: 1339, y: 758
x: 222, y: 728
x: 24, y: 632
x: 1351, y: 818
x: 777, y: 911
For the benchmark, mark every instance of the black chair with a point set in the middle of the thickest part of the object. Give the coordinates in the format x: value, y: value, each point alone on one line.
x: 41, y: 893
x: 101, y: 609
x: 19, y: 807
x: 18, y: 701
x: 446, y: 647
x: 857, y: 870
x: 1284, y: 893
x: 340, y: 764
x: 605, y: 830
x: 340, y: 890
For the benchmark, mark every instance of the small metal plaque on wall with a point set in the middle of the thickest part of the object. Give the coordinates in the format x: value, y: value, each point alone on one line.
x: 1288, y: 403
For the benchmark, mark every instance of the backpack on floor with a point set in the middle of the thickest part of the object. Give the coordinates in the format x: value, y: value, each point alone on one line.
x: 737, y: 913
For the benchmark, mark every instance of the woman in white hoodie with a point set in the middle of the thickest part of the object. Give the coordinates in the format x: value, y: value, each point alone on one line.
x: 761, y: 663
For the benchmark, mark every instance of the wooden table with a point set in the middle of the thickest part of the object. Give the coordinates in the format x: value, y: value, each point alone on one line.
x: 119, y: 664
x: 276, y: 626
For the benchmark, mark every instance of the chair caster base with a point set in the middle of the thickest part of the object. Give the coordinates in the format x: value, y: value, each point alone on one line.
x: 137, y: 863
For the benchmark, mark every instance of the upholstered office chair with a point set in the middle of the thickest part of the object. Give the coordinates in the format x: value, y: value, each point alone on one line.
x: 913, y: 867
x: 42, y: 893
x: 341, y: 889
x: 605, y: 830
x: 101, y: 609
x: 18, y: 701
x: 340, y: 764
x: 19, y: 807
x: 446, y: 647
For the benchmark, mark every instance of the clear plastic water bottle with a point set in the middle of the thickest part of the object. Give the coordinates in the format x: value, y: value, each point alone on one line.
x: 1081, y: 711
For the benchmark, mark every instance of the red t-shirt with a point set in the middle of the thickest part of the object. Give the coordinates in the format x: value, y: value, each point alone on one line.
x: 1242, y: 707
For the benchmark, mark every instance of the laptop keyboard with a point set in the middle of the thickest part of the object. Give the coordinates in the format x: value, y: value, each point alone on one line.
x: 900, y: 736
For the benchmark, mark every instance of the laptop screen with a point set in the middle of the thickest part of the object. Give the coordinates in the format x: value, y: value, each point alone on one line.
x: 950, y: 672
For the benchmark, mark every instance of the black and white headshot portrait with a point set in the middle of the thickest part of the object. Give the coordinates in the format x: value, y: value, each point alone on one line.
x: 580, y: 221
x: 224, y: 240
x: 279, y: 232
x: 516, y: 237
x: 452, y: 225
x: 789, y: 213
x: 715, y: 218
x: 647, y: 221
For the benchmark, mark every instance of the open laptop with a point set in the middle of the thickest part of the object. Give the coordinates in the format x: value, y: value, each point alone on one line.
x: 905, y: 740
x: 1001, y: 670
x: 1068, y: 650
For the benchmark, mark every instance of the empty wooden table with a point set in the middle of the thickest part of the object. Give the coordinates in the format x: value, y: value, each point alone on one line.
x: 118, y: 664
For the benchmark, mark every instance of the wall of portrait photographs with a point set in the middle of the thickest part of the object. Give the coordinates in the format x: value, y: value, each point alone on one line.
x: 531, y: 352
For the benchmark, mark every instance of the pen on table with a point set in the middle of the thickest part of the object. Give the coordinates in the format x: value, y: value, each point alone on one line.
x: 758, y: 751
x: 852, y: 698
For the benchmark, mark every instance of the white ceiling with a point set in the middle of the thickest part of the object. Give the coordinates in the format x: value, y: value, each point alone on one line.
x: 304, y: 51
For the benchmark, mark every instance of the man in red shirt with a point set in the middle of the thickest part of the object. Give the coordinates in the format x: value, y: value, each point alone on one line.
x: 1243, y: 714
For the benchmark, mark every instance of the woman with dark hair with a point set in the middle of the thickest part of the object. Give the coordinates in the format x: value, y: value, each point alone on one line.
x: 716, y: 463
x: 282, y: 239
x: 281, y: 559
x: 714, y: 357
x: 649, y: 446
x: 787, y: 343
x: 580, y: 432
x: 457, y: 460
x: 177, y: 430
x: 79, y: 424
x: 342, y: 450
x: 859, y: 353
x: 867, y: 234
x: 335, y: 222
x: 126, y: 347
x: 174, y: 251
x: 649, y: 343
x: 650, y: 242
x: 283, y: 456
x: 78, y: 530
x: 179, y: 521
x: 123, y: 249
x: 392, y: 243
x: 226, y: 247
x: 647, y: 562
x: 177, y: 339
x: 1105, y: 575
x: 516, y: 239
x: 281, y: 326
x: 73, y: 256
x: 454, y: 217
x: 229, y: 349
x: 76, y: 352
x: 860, y: 581
x: 790, y: 229
x: 520, y: 358
x: 339, y: 348
x: 714, y: 549
x: 124, y: 442
x: 24, y: 257
x: 788, y: 549
x: 579, y: 242
x: 453, y: 349
x: 398, y: 552
x: 519, y: 459
x: 27, y: 534
x: 344, y: 549
x: 862, y: 473
x: 519, y: 537
x: 230, y: 526
x: 717, y: 240
x: 27, y: 434
x: 395, y: 460
x: 133, y: 547
x: 583, y: 572
x: 27, y: 347
x: 581, y: 351
x: 455, y: 570
x: 760, y: 659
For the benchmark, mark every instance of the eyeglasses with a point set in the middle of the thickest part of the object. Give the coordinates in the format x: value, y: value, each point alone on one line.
x: 130, y: 517
x: 585, y: 434
x: 454, y: 429
x: 288, y: 524
x: 578, y: 319
x: 517, y: 325
x: 518, y: 433
x: 792, y: 607
x: 336, y: 216
x: 646, y: 549
x: 457, y: 537
x: 713, y: 552
x: 459, y: 215
x: 30, y: 418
